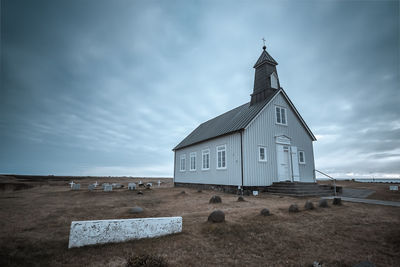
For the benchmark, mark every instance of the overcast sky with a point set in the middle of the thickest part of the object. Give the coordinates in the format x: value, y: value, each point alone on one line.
x: 110, y: 87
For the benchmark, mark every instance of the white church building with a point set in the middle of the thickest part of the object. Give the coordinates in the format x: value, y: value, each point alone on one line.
x: 254, y: 145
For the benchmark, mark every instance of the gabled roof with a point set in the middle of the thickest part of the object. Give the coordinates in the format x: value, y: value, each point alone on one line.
x: 265, y: 57
x: 234, y: 120
x: 231, y: 121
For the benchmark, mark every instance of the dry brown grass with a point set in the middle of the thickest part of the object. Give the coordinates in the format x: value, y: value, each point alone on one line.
x: 35, y: 223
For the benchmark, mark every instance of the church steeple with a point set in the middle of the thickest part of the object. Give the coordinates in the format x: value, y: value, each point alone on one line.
x: 266, y: 79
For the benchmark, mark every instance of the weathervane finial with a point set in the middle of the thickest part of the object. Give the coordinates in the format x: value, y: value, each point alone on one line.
x: 263, y: 39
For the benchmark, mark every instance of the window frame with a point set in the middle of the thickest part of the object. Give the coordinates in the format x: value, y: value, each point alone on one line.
x: 275, y: 76
x: 265, y: 153
x: 182, y: 157
x: 192, y: 155
x: 217, y: 149
x: 205, y: 152
x: 280, y: 108
x: 304, y: 157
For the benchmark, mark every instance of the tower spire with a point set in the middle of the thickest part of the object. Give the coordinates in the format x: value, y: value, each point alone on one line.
x: 266, y: 77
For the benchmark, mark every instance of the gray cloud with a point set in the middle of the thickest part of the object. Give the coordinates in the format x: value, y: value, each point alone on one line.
x: 96, y: 87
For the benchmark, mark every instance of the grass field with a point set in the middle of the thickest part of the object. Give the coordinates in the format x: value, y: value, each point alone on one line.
x: 36, y: 215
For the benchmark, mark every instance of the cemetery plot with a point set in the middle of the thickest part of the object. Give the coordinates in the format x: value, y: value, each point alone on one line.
x: 84, y: 233
x: 257, y: 231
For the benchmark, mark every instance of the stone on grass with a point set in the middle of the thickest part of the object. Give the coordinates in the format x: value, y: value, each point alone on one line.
x: 265, y: 212
x: 309, y: 205
x: 337, y: 201
x: 136, y: 210
x: 293, y: 208
x: 216, y: 216
x: 240, y: 199
x: 215, y: 199
x: 323, y: 203
x: 140, y: 193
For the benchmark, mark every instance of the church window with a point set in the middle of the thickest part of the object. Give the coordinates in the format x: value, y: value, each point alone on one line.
x: 280, y: 115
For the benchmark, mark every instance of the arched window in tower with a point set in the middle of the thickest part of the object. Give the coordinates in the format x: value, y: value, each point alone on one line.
x: 274, y: 80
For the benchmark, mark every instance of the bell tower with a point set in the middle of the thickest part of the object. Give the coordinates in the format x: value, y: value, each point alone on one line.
x: 266, y: 79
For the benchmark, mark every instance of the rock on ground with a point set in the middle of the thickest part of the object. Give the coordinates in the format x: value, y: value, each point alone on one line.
x: 323, y: 203
x: 337, y: 201
x: 136, y: 210
x: 293, y: 208
x: 240, y: 199
x: 265, y: 212
x: 217, y: 216
x: 309, y: 205
x: 215, y: 199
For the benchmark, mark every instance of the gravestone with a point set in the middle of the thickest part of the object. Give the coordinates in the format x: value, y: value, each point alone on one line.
x: 76, y: 186
x: 337, y: 201
x: 84, y: 233
x: 131, y: 186
x: 265, y: 212
x: 108, y: 188
x: 91, y: 187
x: 217, y: 216
x: 116, y: 185
x: 309, y: 205
x: 215, y: 199
x: 323, y: 203
x: 293, y: 208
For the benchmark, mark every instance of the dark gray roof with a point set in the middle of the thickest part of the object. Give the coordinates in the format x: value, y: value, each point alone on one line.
x: 265, y: 57
x: 231, y: 121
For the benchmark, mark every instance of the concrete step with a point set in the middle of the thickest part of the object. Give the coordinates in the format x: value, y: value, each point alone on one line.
x: 303, y: 194
x: 297, y: 191
x: 300, y: 189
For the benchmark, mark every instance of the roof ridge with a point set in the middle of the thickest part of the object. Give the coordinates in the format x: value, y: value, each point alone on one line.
x: 225, y: 113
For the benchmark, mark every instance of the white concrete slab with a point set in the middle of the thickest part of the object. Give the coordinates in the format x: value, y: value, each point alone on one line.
x: 85, y: 233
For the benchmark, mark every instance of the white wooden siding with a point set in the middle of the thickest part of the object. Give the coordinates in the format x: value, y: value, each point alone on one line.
x: 261, y: 132
x: 229, y: 176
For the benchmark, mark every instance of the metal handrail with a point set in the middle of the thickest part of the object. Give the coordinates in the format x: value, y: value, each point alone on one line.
x: 330, y: 177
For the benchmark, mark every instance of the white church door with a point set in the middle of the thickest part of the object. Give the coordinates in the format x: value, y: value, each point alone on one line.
x: 283, y: 161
